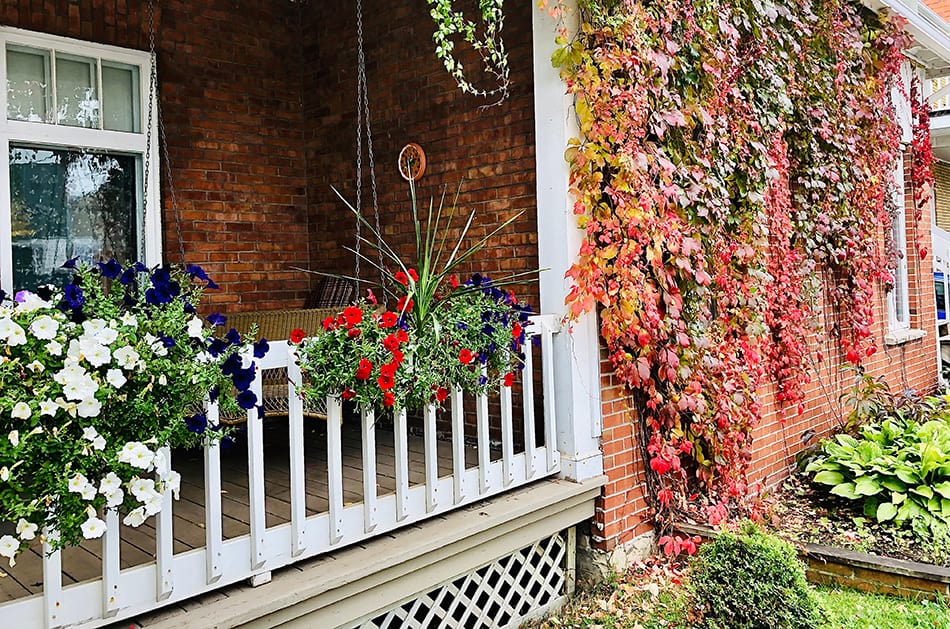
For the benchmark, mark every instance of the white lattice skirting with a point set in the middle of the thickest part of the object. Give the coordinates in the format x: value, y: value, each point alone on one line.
x: 511, y: 589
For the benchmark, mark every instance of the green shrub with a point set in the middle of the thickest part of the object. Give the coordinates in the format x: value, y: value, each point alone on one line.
x: 752, y: 580
x: 897, y: 466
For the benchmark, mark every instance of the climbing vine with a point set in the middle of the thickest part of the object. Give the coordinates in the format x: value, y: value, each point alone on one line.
x: 736, y: 169
x: 486, y: 41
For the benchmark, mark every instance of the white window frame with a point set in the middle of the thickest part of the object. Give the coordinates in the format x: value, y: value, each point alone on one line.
x: 898, y: 321
x: 69, y: 137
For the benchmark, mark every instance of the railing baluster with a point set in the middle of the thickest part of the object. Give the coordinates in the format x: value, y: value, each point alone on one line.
x: 431, y: 457
x: 335, y: 467
x: 402, y: 465
x: 484, y: 454
x: 213, y: 524
x: 255, y: 471
x: 550, y: 419
x: 527, y: 390
x: 164, y: 541
x: 298, y: 487
x: 52, y: 580
x: 507, y: 436
x: 369, y: 469
x: 458, y: 443
x: 110, y: 565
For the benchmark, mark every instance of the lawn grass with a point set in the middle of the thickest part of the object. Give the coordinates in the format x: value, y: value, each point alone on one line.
x: 624, y: 605
x: 851, y: 609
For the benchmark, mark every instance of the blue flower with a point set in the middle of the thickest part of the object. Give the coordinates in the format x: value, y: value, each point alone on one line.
x: 260, y: 348
x: 3, y: 294
x: 233, y: 337
x: 217, y: 319
x: 110, y: 269
x: 73, y: 297
x: 488, y: 329
x: 247, y: 400
x: 158, y: 295
x: 167, y: 341
x: 197, y: 423
x: 231, y: 365
x: 213, y: 394
x: 482, y: 380
x: 189, y: 308
x: 242, y: 378
x: 128, y: 276
x: 196, y: 271
x: 216, y: 346
x: 71, y: 263
x: 212, y: 284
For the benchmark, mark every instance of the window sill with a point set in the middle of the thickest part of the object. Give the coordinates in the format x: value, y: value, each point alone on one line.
x: 899, y: 337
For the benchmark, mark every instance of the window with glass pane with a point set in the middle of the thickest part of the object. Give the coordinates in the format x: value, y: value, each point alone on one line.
x: 69, y: 203
x: 120, y: 97
x: 28, y: 84
x: 77, y: 100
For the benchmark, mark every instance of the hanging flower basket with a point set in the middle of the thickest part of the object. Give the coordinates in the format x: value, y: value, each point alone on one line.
x: 95, y: 380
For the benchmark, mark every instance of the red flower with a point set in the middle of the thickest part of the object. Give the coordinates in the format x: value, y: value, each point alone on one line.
x: 401, y: 278
x: 397, y: 356
x: 329, y: 323
x: 404, y: 304
x: 391, y: 342
x: 388, y: 319
x: 516, y: 331
x: 402, y: 335
x: 389, y: 399
x: 297, y: 335
x: 441, y: 393
x: 348, y: 394
x: 466, y: 356
x: 389, y: 369
x: 353, y: 316
x: 385, y: 382
x: 453, y: 281
x: 370, y: 297
x: 413, y: 275
x: 364, y: 370
x: 353, y: 333
x: 509, y: 379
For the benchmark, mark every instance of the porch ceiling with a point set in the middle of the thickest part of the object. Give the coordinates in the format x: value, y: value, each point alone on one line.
x: 931, y: 33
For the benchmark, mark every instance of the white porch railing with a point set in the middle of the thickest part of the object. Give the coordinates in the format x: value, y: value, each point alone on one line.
x: 120, y: 594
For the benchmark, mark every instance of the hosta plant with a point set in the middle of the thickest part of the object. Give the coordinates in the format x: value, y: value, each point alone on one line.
x: 95, y: 379
x: 897, y: 467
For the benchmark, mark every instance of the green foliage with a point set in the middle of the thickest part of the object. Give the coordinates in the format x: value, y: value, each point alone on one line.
x: 752, y: 580
x: 897, y: 466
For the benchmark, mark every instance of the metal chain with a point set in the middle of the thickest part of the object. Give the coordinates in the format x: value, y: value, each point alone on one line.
x: 146, y: 166
x: 360, y: 95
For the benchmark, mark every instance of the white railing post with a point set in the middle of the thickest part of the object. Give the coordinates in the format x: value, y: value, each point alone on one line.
x: 213, y: 523
x: 550, y: 408
x: 164, y: 541
x: 369, y: 469
x: 458, y: 443
x: 527, y: 390
x: 431, y: 457
x: 110, y: 565
x: 507, y: 436
x: 484, y: 452
x: 52, y: 580
x: 255, y: 471
x: 401, y: 436
x: 335, y: 467
x: 298, y: 481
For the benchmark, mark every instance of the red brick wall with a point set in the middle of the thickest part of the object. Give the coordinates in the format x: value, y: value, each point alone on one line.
x: 231, y: 93
x: 490, y: 151
x: 940, y: 7
x: 622, y: 512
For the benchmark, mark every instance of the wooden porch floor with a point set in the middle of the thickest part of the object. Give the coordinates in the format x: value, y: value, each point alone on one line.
x: 138, y: 544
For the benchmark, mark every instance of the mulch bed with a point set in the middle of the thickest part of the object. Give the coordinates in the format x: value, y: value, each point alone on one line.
x: 802, y: 512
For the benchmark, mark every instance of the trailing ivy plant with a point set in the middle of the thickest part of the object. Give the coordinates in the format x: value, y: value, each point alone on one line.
x: 735, y: 169
x: 487, y: 42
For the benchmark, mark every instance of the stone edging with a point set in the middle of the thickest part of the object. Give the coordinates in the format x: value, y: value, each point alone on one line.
x: 829, y: 565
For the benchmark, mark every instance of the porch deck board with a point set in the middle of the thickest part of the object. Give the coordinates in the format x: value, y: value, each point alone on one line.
x: 138, y: 545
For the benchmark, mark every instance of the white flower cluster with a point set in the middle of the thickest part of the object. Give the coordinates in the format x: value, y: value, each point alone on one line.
x: 150, y: 493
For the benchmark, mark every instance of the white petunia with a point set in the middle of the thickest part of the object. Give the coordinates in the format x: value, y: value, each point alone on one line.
x: 88, y: 492
x: 196, y: 328
x: 110, y: 482
x: 36, y: 367
x: 90, y: 407
x: 116, y: 378
x: 129, y: 319
x: 89, y: 433
x: 153, y: 503
x: 126, y: 357
x: 21, y: 410
x: 77, y: 483
x: 26, y: 530
x: 54, y: 348
x: 95, y: 353
x: 162, y: 380
x: 135, y: 517
x: 141, y: 488
x: 44, y: 328
x: 4, y: 473
x: 14, y: 438
x: 28, y: 302
x: 92, y: 326
x: 173, y: 483
x: 137, y: 455
x: 107, y: 336
x: 93, y: 528
x: 99, y: 443
x: 11, y: 332
x: 48, y: 407
x: 162, y: 466
x: 9, y: 547
x: 114, y: 498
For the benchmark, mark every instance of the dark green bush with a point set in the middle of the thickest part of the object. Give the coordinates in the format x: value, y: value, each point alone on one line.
x: 752, y: 580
